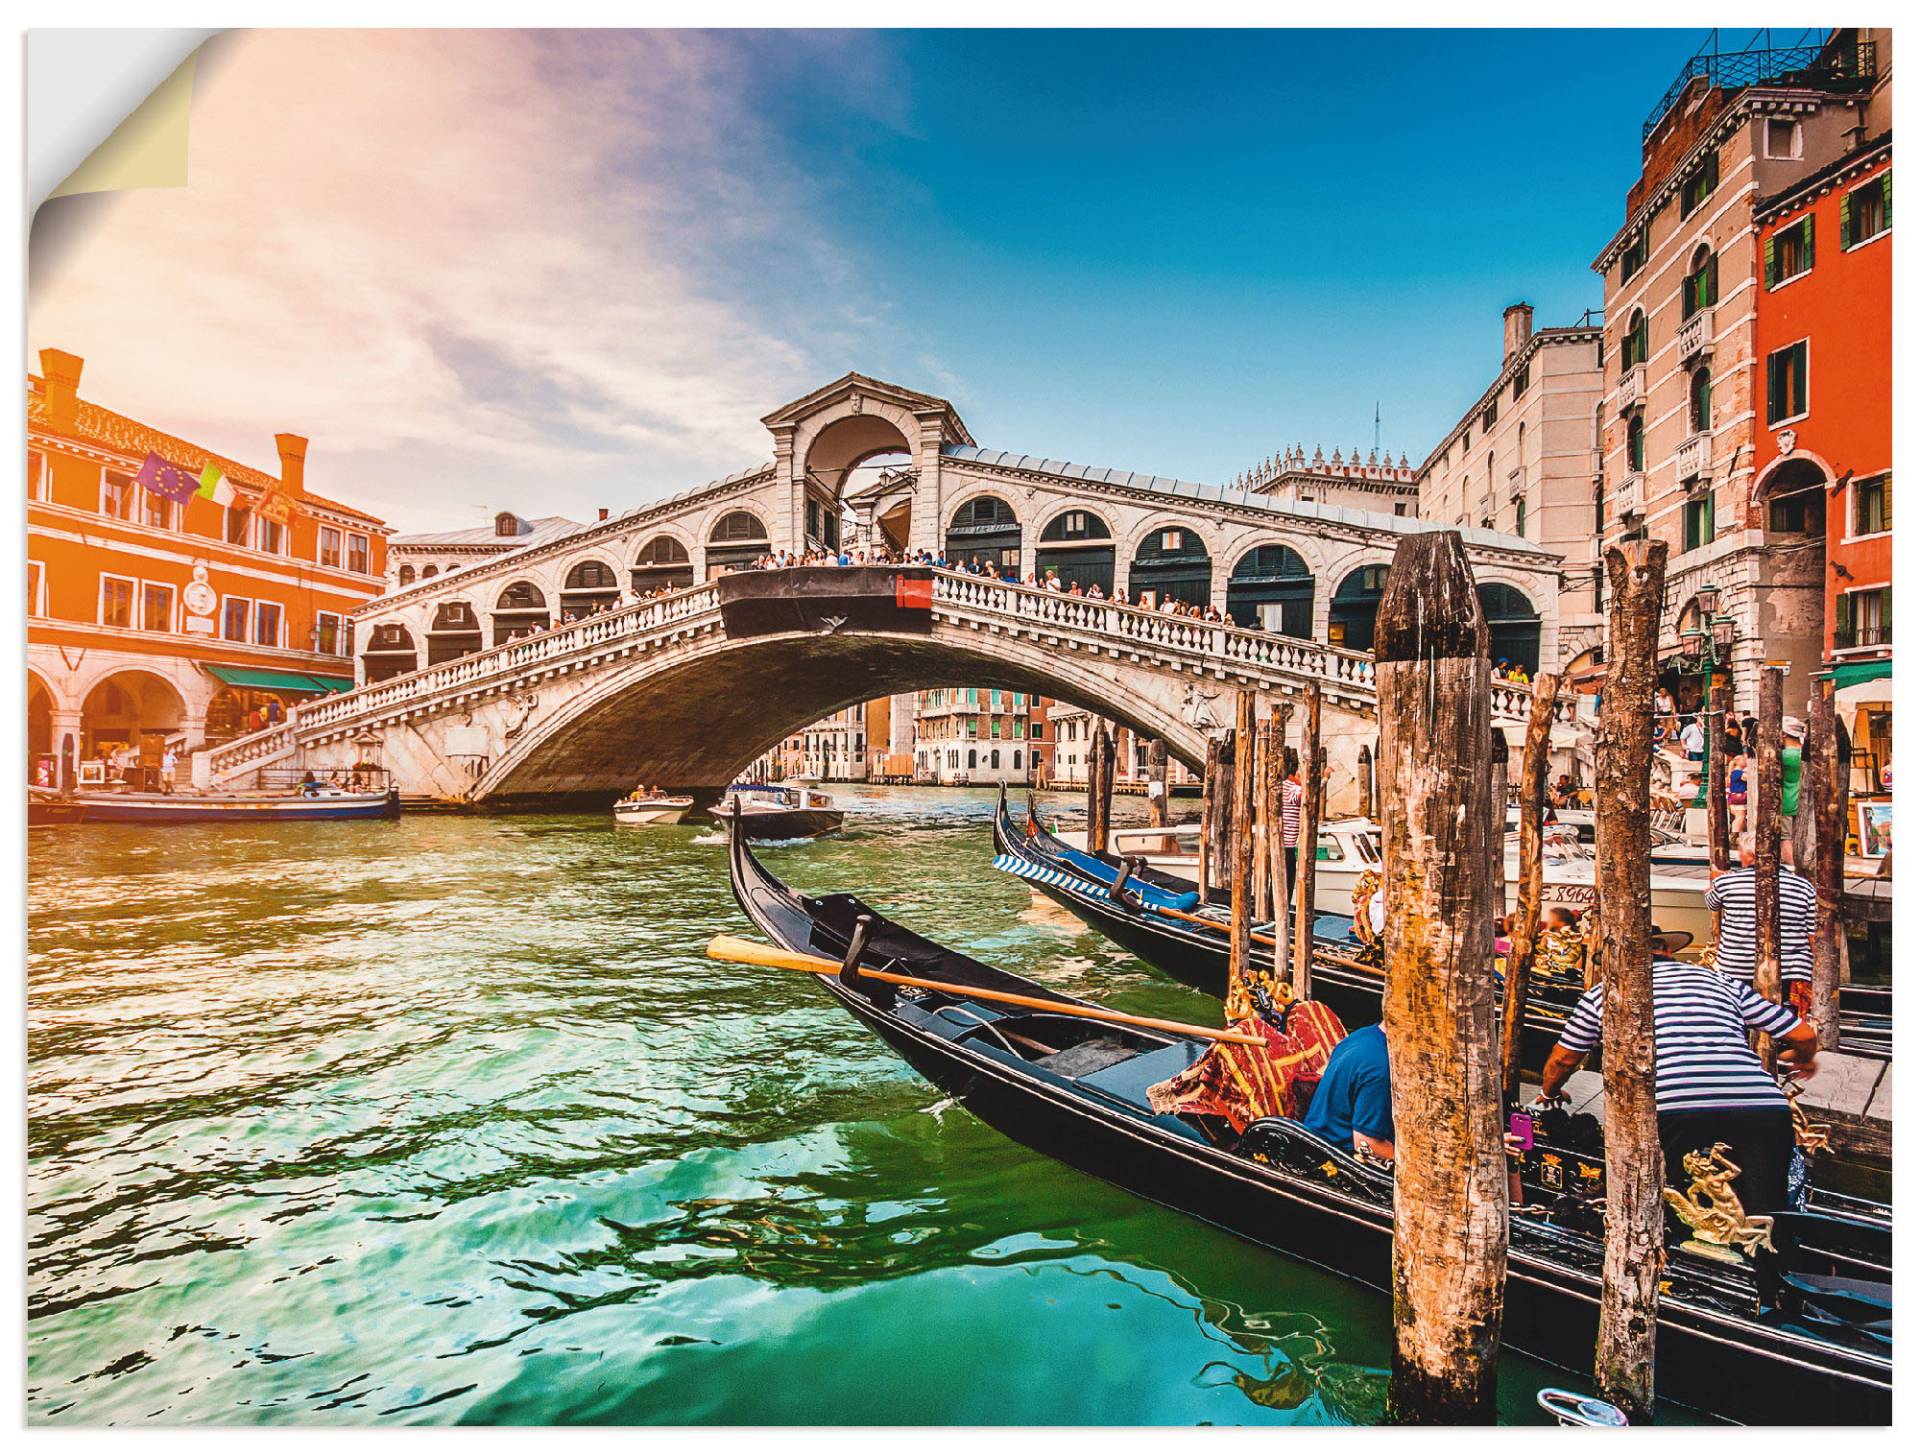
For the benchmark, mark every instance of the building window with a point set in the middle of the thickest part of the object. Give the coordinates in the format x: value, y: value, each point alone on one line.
x: 271, y: 536
x: 1699, y: 521
x: 156, y: 511
x: 505, y: 525
x: 116, y: 601
x: 1700, y: 183
x: 1787, y: 383
x: 1520, y: 516
x: 36, y: 475
x: 329, y: 546
x: 1488, y: 416
x: 236, y: 613
x: 1700, y: 401
x: 1783, y: 140
x: 1702, y: 286
x: 36, y: 588
x: 1522, y: 379
x: 1873, y: 505
x: 406, y: 575
x: 239, y: 523
x: 1867, y: 212
x: 1788, y: 253
x: 358, y: 555
x: 156, y: 607
x: 430, y: 572
x: 116, y: 495
x: 329, y: 634
x: 1633, y: 257
x: 1633, y: 343
x: 1863, y: 618
x: 266, y: 623
x: 1637, y: 445
x: 1399, y: 507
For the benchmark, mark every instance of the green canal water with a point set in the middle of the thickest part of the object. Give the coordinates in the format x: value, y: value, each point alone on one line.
x: 449, y: 1120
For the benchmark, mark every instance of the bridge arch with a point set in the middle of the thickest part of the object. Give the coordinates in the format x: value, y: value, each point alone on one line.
x: 984, y: 525
x: 455, y: 633
x: 1354, y: 604
x: 389, y: 652
x: 1172, y: 560
x: 664, y: 563
x: 1077, y: 545
x: 1272, y: 575
x: 520, y: 607
x: 591, y: 584
x: 736, y: 536
x: 1513, y: 624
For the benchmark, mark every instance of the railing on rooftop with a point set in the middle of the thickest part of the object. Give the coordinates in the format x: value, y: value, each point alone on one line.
x: 1800, y: 63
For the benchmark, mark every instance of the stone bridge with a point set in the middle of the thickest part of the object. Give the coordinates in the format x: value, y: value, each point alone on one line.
x: 686, y: 688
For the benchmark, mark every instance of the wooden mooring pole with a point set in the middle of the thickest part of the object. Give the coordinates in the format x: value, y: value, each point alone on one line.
x: 1366, y: 781
x: 1823, y: 795
x: 1763, y: 810
x: 1716, y: 770
x: 1159, y: 796
x: 1240, y: 857
x: 1623, y: 749
x: 1099, y: 789
x: 1278, y: 719
x: 1313, y: 772
x: 1205, y: 870
x: 1497, y: 790
x: 1524, y: 928
x: 1431, y: 680
x: 1263, y: 829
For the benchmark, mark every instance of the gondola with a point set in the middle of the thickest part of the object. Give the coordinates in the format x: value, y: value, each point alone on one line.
x: 1807, y: 1340
x: 1196, y: 955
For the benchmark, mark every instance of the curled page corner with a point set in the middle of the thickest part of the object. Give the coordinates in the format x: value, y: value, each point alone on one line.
x: 82, y: 134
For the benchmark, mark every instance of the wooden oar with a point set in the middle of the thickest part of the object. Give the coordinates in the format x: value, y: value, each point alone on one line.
x: 746, y: 951
x: 1202, y: 921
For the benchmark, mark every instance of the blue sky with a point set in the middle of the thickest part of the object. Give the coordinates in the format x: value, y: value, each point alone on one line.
x: 552, y: 271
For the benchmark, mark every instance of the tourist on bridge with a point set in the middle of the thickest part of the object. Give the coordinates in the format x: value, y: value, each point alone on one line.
x: 1731, y: 896
x: 1292, y: 794
x: 1709, y: 1086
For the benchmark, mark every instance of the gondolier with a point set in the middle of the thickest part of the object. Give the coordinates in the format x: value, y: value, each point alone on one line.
x: 1731, y: 896
x: 1709, y: 1086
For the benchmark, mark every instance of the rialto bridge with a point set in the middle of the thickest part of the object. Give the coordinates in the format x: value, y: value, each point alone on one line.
x: 537, y: 675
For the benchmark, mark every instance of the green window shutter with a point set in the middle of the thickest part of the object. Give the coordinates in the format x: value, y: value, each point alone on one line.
x: 1771, y: 268
x: 1846, y: 219
x: 1800, y: 401
x: 1712, y: 295
x: 1842, y: 619
x: 1774, y: 410
x: 1806, y: 232
x: 1886, y: 194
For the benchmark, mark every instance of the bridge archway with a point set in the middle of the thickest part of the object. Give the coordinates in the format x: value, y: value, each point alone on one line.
x: 1513, y: 626
x: 520, y: 608
x: 1077, y: 546
x: 663, y: 564
x: 1272, y: 576
x: 985, y: 529
x: 390, y: 652
x: 1172, y: 562
x: 1354, y: 605
x: 455, y: 633
x: 738, y: 538
x: 591, y: 585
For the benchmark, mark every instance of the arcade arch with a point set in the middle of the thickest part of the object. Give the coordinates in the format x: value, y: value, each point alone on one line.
x: 390, y: 652
x: 1172, y: 562
x: 1355, y: 603
x: 1272, y: 576
x: 130, y: 709
x: 521, y: 607
x: 664, y: 564
x: 738, y: 538
x: 455, y: 633
x: 985, y: 529
x: 1513, y: 626
x: 1076, y: 546
x: 590, y: 586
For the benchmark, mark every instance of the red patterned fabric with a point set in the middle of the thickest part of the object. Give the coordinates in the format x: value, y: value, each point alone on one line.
x: 1242, y: 1083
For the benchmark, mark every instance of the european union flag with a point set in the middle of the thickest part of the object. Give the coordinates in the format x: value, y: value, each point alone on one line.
x: 162, y: 478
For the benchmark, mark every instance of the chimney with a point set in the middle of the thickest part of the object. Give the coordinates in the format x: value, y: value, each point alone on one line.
x: 1519, y: 328
x: 293, y: 462
x: 603, y: 512
x: 62, y: 373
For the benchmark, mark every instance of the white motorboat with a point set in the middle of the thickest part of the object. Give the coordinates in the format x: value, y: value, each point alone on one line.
x: 651, y: 808
x: 771, y: 812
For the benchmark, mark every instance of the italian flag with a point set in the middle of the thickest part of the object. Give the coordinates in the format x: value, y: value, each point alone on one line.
x: 214, y: 486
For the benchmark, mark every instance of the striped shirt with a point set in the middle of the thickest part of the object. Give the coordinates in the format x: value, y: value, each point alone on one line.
x: 1701, y: 1059
x: 1731, y: 896
x: 1290, y: 795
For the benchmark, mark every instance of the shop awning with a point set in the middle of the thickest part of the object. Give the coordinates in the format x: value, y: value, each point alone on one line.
x: 263, y: 680
x: 1850, y: 673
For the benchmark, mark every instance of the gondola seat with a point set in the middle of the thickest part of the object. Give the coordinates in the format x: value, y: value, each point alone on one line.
x: 1128, y: 1080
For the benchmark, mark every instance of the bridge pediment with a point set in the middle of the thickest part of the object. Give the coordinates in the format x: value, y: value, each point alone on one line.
x: 853, y: 394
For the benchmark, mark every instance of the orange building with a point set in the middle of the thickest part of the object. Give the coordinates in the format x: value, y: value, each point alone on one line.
x: 155, y: 622
x: 1824, y: 343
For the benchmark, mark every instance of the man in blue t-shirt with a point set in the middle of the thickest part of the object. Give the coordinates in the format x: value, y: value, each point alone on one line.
x: 1354, y: 1103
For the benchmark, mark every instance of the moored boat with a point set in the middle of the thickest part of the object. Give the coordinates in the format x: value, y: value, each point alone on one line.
x: 317, y: 803
x: 781, y: 810
x: 1802, y: 1339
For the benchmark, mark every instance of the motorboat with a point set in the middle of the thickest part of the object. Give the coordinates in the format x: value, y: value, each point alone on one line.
x: 776, y: 811
x: 1805, y: 1337
x: 651, y: 808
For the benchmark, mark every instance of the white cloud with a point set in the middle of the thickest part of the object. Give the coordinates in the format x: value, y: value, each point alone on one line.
x: 467, y: 264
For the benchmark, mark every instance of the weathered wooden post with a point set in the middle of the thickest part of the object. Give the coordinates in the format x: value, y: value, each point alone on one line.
x: 1431, y: 679
x: 1277, y: 721
x: 1716, y: 770
x: 1222, y: 848
x: 1313, y: 772
x: 1823, y: 793
x: 1099, y: 788
x: 1623, y: 748
x: 1365, y: 773
x: 1497, y: 790
x: 1263, y: 833
x: 1240, y: 856
x: 1763, y: 809
x: 1159, y: 794
x: 1524, y: 928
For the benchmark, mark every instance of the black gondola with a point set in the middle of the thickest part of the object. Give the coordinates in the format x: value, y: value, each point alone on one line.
x: 1197, y: 956
x: 1805, y: 1341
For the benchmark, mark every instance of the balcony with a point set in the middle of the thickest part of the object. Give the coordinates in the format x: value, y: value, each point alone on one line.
x: 1631, y: 498
x: 1694, y: 458
x: 1695, y: 339
x: 1855, y: 636
x: 1631, y: 392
